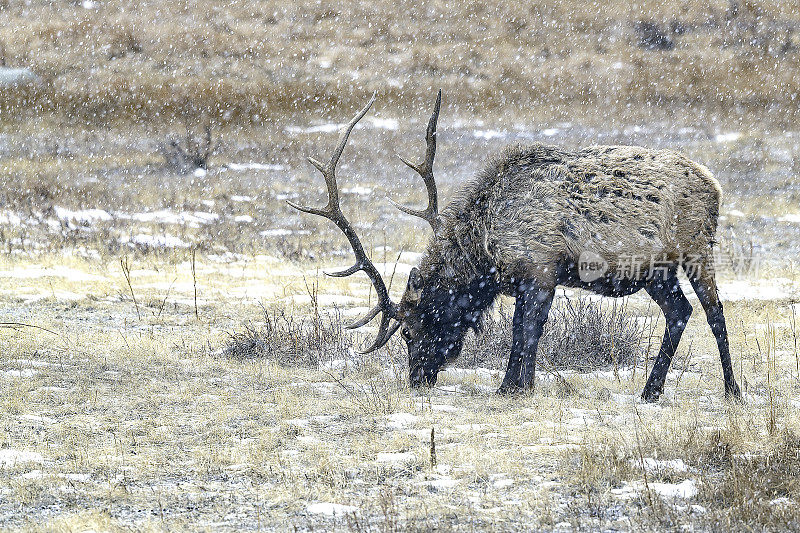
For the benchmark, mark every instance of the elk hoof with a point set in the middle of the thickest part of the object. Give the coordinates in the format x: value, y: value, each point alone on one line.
x: 509, y: 389
x: 734, y: 395
x: 651, y: 395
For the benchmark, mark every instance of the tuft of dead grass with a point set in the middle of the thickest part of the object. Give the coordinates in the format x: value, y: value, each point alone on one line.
x: 305, y: 341
x: 756, y: 490
x: 580, y: 334
x: 194, y: 149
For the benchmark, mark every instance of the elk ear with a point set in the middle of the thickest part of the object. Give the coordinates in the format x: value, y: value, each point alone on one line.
x: 414, y: 287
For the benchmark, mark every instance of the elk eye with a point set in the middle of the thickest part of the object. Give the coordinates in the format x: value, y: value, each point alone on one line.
x: 405, y: 333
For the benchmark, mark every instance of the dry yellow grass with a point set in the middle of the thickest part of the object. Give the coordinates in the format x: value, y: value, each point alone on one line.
x: 140, y: 423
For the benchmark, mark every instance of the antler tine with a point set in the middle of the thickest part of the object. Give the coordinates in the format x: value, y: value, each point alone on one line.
x: 333, y: 212
x: 430, y: 137
x: 425, y: 169
x: 372, y: 313
x: 384, y: 334
x: 332, y: 209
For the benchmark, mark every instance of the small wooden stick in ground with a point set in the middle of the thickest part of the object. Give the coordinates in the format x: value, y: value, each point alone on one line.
x: 126, y: 270
x: 433, y: 448
x: 194, y: 280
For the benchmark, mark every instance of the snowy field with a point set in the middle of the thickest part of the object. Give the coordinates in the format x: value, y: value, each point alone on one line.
x: 123, y: 412
x: 131, y: 277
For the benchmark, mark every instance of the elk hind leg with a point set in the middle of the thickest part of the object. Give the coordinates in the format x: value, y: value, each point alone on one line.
x: 705, y: 286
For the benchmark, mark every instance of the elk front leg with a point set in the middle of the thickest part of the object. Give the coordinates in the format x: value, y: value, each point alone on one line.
x: 511, y: 379
x: 667, y: 293
x: 530, y: 313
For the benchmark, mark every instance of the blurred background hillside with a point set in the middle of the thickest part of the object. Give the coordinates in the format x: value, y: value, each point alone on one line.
x: 252, y: 61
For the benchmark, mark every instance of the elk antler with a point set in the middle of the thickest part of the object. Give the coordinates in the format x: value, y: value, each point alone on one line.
x: 425, y: 169
x: 333, y: 212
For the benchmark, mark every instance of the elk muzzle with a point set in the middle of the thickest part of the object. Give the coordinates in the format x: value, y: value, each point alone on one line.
x: 420, y: 377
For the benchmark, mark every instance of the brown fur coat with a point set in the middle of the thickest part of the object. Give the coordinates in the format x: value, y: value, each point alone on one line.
x: 536, y: 205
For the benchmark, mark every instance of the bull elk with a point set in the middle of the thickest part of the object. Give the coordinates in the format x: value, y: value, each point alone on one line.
x: 538, y: 217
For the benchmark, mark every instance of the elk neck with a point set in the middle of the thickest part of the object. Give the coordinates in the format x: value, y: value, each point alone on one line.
x: 458, y: 270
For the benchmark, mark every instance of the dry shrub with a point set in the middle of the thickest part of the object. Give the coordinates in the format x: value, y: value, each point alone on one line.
x: 122, y: 43
x: 194, y: 150
x: 737, y: 255
x: 598, y: 470
x: 292, y: 340
x: 754, y: 491
x: 374, y: 391
x: 388, y: 518
x: 580, y: 334
x: 748, y: 26
x: 653, y: 36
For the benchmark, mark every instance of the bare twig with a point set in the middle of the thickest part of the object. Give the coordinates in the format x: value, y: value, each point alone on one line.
x: 794, y: 307
x: 126, y: 270
x: 194, y: 282
x: 17, y: 325
x: 772, y: 377
x: 683, y: 370
x: 641, y: 458
x: 348, y: 390
x: 433, y: 448
x: 394, y: 269
x: 313, y: 293
x: 164, y: 301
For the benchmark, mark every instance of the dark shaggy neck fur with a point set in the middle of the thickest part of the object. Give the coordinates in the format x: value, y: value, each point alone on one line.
x: 461, y: 306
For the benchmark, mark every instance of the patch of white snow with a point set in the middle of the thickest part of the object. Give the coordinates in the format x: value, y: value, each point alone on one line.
x: 395, y: 457
x: 84, y: 215
x: 251, y: 166
x: 322, y: 128
x: 727, y: 137
x: 26, y: 373
x: 358, y: 190
x: 684, y: 489
x: 488, y: 134
x: 330, y: 509
x: 384, y: 123
x: 12, y: 457
x: 156, y: 241
x: 400, y: 420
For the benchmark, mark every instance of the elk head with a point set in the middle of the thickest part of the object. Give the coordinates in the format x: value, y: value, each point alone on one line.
x: 433, y: 318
